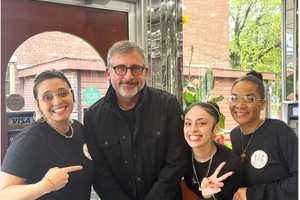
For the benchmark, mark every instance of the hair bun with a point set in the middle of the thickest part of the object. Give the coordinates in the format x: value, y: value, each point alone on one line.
x: 255, y: 74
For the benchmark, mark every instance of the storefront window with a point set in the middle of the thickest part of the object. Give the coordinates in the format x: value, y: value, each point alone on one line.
x: 290, y: 54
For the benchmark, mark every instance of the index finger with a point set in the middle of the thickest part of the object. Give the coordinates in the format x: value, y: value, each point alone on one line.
x: 72, y: 168
x: 219, y: 168
x: 225, y: 176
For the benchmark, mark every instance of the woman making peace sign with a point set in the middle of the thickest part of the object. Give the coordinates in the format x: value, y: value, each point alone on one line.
x: 213, y: 171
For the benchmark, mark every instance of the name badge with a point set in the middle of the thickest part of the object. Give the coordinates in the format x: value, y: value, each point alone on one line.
x: 259, y: 159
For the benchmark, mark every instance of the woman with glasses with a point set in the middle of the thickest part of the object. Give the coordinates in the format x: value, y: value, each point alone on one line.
x: 268, y: 148
x: 49, y: 160
x: 214, y: 171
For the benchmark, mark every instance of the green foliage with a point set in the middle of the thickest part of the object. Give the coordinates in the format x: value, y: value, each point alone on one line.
x: 256, y: 34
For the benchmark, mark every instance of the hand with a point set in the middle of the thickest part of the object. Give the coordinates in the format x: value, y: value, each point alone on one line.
x: 56, y: 178
x: 212, y: 185
x: 240, y: 194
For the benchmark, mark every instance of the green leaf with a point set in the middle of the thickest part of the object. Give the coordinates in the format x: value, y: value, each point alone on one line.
x: 217, y: 99
x: 222, y: 121
x: 188, y: 97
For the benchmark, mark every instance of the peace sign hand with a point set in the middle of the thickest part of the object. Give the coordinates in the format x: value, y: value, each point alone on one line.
x: 56, y: 178
x: 212, y: 185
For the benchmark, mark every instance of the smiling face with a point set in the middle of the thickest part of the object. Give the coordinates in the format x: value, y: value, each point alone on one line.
x: 246, y: 114
x: 127, y: 86
x: 199, y: 127
x: 57, y: 110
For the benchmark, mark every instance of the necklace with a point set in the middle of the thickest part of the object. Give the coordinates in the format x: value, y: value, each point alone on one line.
x: 68, y: 136
x: 243, y: 154
x: 72, y: 132
x: 207, y: 171
x: 122, y: 108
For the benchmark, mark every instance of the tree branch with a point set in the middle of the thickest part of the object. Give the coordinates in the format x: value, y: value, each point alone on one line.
x: 265, y: 51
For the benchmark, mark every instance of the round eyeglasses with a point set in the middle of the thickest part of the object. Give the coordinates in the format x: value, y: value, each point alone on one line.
x: 135, y: 70
x: 244, y: 98
x: 49, y: 96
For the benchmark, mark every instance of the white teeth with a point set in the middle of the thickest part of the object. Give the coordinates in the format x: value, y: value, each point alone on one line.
x: 241, y: 112
x: 59, y: 109
x: 194, y: 137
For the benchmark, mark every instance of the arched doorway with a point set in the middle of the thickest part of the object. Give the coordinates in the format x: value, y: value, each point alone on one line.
x: 22, y: 19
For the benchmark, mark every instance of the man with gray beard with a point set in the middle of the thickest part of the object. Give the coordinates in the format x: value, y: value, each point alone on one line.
x: 135, y: 133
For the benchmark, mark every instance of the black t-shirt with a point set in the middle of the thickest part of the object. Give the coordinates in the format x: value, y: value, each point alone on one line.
x: 231, y: 184
x: 271, y: 163
x: 39, y: 148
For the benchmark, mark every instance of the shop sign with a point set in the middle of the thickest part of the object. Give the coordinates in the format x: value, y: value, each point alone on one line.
x: 91, y: 95
x: 15, y: 102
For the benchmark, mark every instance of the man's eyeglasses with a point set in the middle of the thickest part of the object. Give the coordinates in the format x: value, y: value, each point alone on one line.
x: 62, y: 92
x: 135, y: 70
x: 245, y: 98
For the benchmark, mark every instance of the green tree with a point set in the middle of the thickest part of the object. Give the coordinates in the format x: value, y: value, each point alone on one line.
x: 256, y: 35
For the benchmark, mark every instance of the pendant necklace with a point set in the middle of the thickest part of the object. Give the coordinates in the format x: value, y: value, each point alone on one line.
x: 207, y: 171
x: 243, y: 154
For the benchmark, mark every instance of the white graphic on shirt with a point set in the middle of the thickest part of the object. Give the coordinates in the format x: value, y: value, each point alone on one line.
x: 259, y: 159
x: 86, y: 152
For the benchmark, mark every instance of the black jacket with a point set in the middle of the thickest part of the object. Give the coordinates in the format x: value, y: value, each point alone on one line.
x: 145, y: 163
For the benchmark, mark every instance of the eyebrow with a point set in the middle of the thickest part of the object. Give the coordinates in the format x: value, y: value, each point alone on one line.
x: 198, y: 119
x: 47, y: 91
x: 250, y: 94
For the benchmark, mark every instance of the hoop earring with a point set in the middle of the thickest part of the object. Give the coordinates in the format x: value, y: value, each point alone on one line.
x: 38, y: 117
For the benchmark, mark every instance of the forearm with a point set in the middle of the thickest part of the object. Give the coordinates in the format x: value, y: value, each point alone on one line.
x: 26, y: 192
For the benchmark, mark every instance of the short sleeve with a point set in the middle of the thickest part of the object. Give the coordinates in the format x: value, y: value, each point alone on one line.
x: 20, y: 156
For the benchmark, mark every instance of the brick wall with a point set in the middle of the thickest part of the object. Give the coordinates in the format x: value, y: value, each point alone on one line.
x: 92, y: 79
x: 50, y: 46
x: 223, y: 87
x: 208, y: 31
x: 28, y: 94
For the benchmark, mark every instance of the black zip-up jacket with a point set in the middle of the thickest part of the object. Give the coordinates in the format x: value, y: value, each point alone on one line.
x: 145, y: 163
